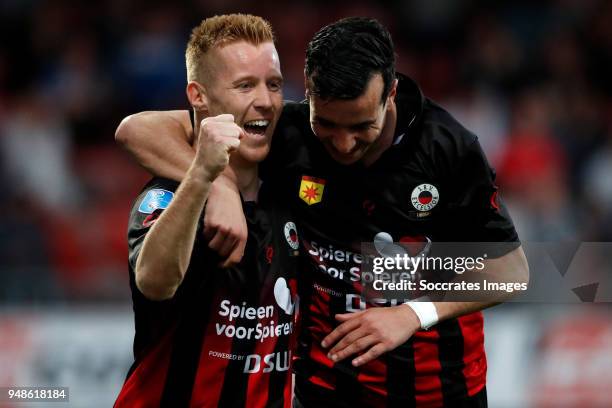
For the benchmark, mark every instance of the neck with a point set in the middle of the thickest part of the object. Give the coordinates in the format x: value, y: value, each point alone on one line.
x: 247, y: 178
x: 198, y: 116
x: 386, y: 136
x: 242, y: 172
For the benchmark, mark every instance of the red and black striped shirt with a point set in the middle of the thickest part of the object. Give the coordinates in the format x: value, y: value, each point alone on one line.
x: 339, y: 207
x: 225, y: 338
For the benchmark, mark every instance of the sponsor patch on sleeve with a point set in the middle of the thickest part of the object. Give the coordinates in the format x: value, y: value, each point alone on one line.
x: 156, y: 199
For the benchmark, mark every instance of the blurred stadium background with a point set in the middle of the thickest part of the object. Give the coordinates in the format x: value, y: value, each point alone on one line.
x: 532, y: 79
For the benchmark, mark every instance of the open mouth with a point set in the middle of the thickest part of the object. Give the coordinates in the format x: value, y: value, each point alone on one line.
x: 257, y: 127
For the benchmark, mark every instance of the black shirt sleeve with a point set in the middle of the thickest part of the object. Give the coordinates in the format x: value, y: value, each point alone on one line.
x: 150, y: 203
x: 475, y: 198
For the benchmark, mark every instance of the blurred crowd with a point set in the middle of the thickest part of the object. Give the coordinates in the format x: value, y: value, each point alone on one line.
x: 532, y: 79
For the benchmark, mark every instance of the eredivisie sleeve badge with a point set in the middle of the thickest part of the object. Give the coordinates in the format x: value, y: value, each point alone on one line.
x: 311, y: 189
x: 156, y: 199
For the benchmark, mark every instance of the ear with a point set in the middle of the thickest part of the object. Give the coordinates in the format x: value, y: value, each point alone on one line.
x: 196, y: 94
x: 306, y: 82
x: 392, y: 92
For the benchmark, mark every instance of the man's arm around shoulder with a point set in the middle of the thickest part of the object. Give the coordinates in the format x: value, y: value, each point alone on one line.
x: 167, y: 247
x: 160, y: 141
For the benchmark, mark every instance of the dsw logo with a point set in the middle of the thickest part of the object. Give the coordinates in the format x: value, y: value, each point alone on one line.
x: 270, y: 362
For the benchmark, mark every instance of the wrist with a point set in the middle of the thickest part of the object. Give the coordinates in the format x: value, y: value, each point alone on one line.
x: 228, y: 178
x: 200, y: 170
x: 426, y: 313
x: 198, y: 177
x: 202, y: 175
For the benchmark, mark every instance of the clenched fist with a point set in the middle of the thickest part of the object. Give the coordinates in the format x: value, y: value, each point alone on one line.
x: 219, y: 136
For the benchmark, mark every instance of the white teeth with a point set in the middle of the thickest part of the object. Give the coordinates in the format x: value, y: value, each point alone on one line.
x: 258, y: 123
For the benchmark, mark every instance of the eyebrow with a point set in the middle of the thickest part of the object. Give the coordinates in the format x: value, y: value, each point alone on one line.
x: 327, y: 122
x: 254, y: 78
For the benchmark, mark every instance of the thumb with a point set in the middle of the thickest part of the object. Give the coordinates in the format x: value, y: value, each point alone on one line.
x: 232, y: 144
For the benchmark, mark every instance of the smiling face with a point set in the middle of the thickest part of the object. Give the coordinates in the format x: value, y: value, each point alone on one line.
x: 351, y: 128
x: 245, y: 80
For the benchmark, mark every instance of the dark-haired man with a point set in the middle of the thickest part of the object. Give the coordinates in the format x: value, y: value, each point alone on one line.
x: 369, y: 157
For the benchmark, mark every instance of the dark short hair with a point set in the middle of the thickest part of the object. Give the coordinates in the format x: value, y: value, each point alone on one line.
x: 342, y: 58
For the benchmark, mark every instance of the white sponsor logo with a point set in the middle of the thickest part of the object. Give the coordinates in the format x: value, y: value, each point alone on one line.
x: 329, y: 253
x: 328, y: 291
x: 260, y: 332
x: 282, y: 295
x: 358, y: 303
x: 269, y: 362
x: 383, y: 243
x: 225, y: 356
x: 323, y: 254
x: 266, y: 327
x: 243, y: 311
